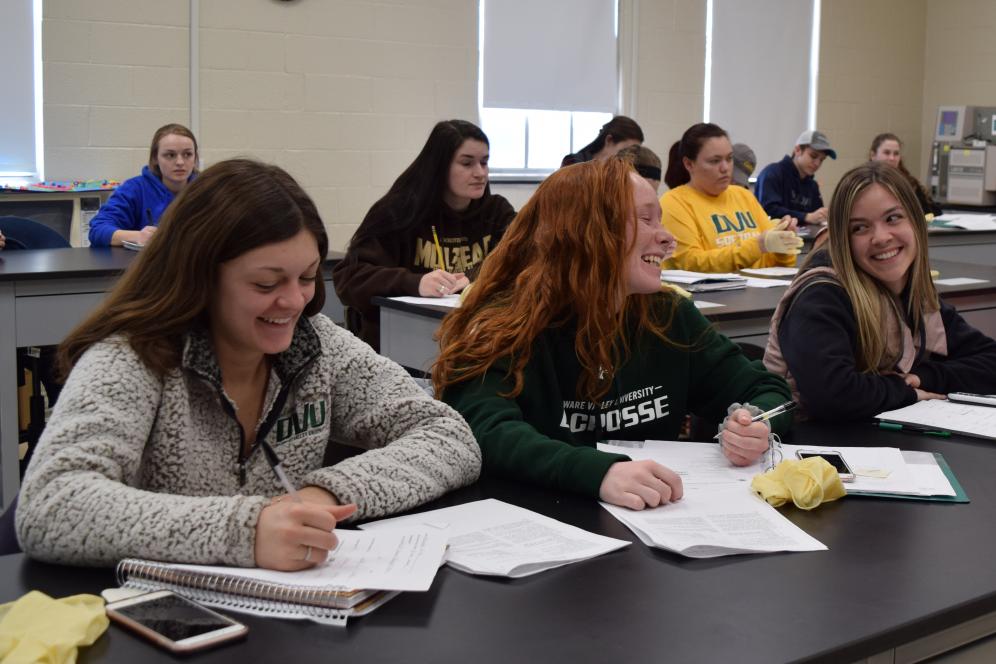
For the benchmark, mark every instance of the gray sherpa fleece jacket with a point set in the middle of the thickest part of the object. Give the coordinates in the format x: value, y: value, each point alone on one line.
x: 134, y: 465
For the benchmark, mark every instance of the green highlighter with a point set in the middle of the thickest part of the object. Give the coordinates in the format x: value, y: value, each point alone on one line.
x: 913, y: 428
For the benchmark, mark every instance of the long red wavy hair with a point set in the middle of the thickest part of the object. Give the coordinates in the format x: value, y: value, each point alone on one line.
x: 561, y: 259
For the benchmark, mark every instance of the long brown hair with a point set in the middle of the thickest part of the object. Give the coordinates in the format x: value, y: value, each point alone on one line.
x: 233, y: 207
x: 869, y: 296
x: 560, y: 260
x: 161, y: 133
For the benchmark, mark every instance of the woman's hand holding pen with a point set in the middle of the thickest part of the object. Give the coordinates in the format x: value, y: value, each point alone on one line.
x: 640, y: 484
x: 440, y: 282
x: 292, y: 536
x: 743, y: 441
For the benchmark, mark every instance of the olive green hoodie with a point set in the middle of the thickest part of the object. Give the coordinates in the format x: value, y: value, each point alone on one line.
x: 547, y: 434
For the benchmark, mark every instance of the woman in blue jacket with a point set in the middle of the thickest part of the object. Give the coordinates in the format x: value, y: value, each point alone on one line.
x: 132, y: 213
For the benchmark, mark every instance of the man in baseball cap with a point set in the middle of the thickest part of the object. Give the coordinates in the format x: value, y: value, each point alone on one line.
x: 787, y: 187
x: 744, y: 163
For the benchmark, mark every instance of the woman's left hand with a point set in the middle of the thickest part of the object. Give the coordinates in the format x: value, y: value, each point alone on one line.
x: 912, y: 380
x: 3, y: 241
x: 743, y: 441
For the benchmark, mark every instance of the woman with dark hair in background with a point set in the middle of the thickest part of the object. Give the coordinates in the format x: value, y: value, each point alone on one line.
x: 720, y: 228
x: 133, y: 210
x: 208, y: 353
x: 888, y: 148
x: 618, y: 133
x: 436, y: 223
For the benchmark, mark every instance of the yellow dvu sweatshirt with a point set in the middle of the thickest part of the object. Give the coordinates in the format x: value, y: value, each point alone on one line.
x: 717, y: 233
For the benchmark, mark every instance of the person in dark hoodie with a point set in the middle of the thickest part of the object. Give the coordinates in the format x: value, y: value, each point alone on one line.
x: 788, y: 187
x: 430, y: 231
x: 861, y: 330
x: 132, y: 213
x: 567, y: 339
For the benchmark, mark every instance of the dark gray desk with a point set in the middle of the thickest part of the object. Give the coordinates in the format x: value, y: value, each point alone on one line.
x: 896, y: 571
x: 407, y: 329
x: 955, y: 244
x: 44, y: 293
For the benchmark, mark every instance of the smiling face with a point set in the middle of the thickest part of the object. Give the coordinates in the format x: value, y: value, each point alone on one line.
x: 882, y: 238
x: 712, y: 169
x: 807, y: 160
x: 889, y: 151
x: 260, y: 295
x: 468, y: 175
x: 649, y: 242
x: 177, y: 158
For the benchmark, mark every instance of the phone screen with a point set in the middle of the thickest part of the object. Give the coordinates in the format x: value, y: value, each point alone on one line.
x: 834, y: 460
x: 174, y: 617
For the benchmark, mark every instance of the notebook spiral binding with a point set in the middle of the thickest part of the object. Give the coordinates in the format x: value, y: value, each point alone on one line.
x: 234, y: 593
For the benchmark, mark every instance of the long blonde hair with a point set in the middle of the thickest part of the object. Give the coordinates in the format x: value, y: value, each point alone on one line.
x: 871, y: 300
x: 561, y: 259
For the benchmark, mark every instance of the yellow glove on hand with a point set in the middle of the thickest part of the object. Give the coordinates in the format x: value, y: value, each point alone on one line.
x: 780, y: 240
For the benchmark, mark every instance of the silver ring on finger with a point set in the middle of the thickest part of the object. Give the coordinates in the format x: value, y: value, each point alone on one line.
x: 307, y: 554
x: 442, y: 289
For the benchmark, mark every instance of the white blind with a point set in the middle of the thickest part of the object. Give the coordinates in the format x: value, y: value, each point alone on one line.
x: 550, y: 54
x: 17, y: 130
x: 760, y: 73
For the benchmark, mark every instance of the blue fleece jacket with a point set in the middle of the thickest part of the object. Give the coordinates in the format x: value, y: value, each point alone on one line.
x: 137, y: 203
x: 783, y: 192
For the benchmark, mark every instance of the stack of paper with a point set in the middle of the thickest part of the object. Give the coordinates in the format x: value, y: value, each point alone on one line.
x: 701, y: 282
x: 956, y: 417
x: 771, y: 271
x: 494, y: 538
x: 718, y: 516
x: 452, y: 301
x: 971, y: 221
x: 888, y: 471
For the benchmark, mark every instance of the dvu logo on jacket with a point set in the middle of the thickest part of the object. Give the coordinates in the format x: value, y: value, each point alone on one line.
x: 311, y: 416
x: 723, y: 224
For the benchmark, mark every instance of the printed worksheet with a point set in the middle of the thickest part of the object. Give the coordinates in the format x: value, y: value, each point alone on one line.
x: 495, y: 538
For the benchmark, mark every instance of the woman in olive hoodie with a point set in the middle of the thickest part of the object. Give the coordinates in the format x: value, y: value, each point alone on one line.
x: 567, y: 339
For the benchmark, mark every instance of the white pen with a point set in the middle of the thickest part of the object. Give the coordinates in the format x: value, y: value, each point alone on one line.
x: 768, y: 414
x: 278, y: 470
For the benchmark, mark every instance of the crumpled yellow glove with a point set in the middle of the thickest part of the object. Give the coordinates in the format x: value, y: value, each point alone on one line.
x: 780, y: 240
x: 38, y: 628
x: 807, y: 483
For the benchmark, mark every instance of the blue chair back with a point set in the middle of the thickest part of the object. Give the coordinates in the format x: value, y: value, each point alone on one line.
x: 24, y: 233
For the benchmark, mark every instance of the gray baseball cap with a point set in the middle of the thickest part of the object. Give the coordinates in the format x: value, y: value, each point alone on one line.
x: 816, y: 140
x: 744, y: 162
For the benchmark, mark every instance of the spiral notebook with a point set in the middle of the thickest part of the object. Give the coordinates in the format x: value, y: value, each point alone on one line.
x: 366, y: 570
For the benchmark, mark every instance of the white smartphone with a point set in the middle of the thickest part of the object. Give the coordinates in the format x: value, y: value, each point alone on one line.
x: 834, y: 458
x: 967, y: 397
x: 175, y: 622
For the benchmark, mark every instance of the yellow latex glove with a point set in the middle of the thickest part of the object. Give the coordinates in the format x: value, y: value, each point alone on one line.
x: 38, y: 628
x: 807, y: 483
x: 780, y: 240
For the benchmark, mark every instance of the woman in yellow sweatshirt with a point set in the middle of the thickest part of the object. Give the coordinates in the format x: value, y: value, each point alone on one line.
x: 720, y: 228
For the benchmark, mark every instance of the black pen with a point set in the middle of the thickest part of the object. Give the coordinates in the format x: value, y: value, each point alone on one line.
x: 915, y: 428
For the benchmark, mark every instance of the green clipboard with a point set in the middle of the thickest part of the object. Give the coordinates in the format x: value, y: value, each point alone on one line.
x: 959, y: 497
